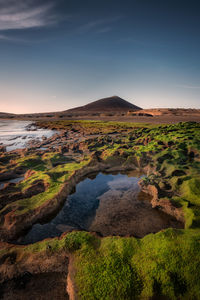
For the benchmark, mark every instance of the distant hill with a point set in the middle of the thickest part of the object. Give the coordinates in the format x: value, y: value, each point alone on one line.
x: 110, y: 104
x: 4, y: 115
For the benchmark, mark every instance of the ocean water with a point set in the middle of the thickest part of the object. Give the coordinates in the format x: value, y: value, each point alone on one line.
x: 15, y: 135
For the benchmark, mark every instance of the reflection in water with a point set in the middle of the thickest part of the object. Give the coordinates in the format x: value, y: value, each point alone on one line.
x: 108, y: 204
x: 15, y: 180
x: 14, y: 134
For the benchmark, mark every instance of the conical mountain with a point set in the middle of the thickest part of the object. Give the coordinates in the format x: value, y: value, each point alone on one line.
x: 113, y: 104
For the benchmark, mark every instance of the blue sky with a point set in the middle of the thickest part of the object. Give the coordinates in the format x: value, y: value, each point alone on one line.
x: 55, y: 55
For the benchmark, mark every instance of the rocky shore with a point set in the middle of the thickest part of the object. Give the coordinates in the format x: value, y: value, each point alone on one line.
x: 51, y: 168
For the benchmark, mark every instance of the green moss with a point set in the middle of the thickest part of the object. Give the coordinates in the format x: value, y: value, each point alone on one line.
x: 162, y: 264
x: 79, y: 240
x: 33, y: 162
x: 162, y: 261
x: 91, y: 126
x: 54, y: 186
x: 191, y: 190
x: 164, y: 147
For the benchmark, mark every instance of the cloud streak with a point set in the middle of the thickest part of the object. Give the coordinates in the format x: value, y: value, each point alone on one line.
x: 100, y: 26
x: 4, y: 37
x: 25, y: 14
x: 8, y: 38
x: 185, y: 86
x: 104, y: 30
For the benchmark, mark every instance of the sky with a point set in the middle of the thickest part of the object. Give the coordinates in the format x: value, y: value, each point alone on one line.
x: 59, y: 54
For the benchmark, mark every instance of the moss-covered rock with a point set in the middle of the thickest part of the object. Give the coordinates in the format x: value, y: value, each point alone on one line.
x: 163, y: 264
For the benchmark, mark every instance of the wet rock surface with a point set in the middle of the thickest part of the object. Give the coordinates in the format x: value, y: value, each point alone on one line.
x: 52, y: 167
x: 129, y: 213
x: 101, y: 148
x: 35, y: 286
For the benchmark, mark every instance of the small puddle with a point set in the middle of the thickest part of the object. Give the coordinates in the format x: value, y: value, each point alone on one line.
x: 107, y: 204
x: 14, y: 180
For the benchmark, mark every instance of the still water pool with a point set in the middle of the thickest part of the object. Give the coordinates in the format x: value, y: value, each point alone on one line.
x: 107, y: 204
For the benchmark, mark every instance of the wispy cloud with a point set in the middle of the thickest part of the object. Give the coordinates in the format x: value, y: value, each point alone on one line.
x: 3, y: 37
x: 104, y: 30
x: 9, y: 38
x: 185, y: 86
x: 22, y: 14
x: 129, y: 40
x: 99, y: 26
x: 139, y: 42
